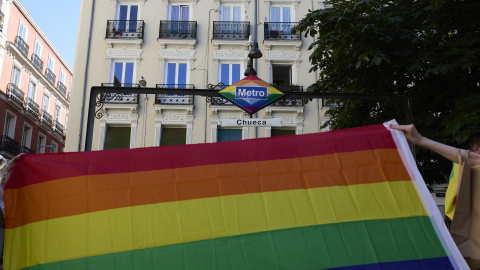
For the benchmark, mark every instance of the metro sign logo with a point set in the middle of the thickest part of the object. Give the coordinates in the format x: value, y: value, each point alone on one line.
x: 251, y: 94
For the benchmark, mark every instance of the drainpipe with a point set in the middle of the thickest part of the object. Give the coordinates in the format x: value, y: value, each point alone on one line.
x: 85, y: 79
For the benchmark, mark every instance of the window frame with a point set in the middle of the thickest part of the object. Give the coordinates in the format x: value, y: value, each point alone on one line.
x: 9, y: 124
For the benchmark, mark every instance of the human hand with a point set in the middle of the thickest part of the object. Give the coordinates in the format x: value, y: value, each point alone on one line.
x: 410, y: 133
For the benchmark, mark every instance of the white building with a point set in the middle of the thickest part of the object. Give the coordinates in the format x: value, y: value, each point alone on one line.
x: 186, y: 44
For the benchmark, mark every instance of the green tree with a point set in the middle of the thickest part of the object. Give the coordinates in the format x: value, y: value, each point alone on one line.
x: 429, y: 50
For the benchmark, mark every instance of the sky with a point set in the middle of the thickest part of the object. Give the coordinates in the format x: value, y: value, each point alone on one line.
x: 58, y: 19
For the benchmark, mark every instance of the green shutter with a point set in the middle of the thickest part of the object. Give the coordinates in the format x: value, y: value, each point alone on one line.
x: 117, y: 138
x: 282, y: 132
x: 229, y: 135
x: 173, y: 136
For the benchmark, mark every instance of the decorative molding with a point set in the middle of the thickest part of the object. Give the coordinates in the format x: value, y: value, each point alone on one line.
x: 230, y: 2
x: 124, y: 53
x: 230, y: 54
x: 178, y: 54
x: 114, y: 2
x: 269, y: 3
x: 283, y: 43
x: 192, y: 2
x: 283, y: 55
x: 190, y: 43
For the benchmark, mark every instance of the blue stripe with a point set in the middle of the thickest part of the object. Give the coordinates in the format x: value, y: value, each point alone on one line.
x: 435, y: 263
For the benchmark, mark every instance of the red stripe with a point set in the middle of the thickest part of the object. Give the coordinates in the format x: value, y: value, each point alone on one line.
x: 32, y: 169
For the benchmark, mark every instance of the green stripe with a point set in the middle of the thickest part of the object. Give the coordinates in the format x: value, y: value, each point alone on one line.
x: 311, y: 247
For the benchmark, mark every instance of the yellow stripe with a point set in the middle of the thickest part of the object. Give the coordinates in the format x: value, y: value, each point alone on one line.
x: 451, y: 193
x: 170, y: 223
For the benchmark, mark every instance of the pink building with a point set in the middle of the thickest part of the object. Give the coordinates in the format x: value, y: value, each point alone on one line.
x: 35, y: 84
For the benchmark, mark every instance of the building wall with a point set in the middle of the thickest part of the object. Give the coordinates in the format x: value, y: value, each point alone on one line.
x: 13, y: 53
x: 96, y: 54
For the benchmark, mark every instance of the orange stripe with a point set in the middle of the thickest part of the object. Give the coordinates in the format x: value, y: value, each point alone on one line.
x: 83, y: 194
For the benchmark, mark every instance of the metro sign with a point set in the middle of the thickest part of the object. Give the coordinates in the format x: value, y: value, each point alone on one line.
x: 251, y: 94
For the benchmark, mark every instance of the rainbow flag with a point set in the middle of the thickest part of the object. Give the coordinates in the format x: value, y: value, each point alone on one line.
x: 348, y: 199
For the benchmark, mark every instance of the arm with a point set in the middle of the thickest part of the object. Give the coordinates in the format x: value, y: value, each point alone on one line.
x: 444, y: 150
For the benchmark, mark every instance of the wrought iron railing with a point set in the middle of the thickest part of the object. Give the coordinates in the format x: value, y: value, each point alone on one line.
x: 1, y: 20
x: 21, y: 45
x: 9, y: 145
x: 231, y: 30
x: 46, y: 118
x: 178, y: 30
x: 218, y: 100
x: 133, y: 29
x: 286, y: 101
x: 37, y: 62
x: 326, y: 103
x: 58, y: 127
x: 50, y: 76
x: 62, y: 88
x: 174, y: 99
x: 280, y: 31
x: 118, y: 98
x: 26, y: 150
x: 33, y: 107
x: 15, y: 93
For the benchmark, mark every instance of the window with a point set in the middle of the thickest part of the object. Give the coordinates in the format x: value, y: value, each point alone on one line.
x: 282, y: 132
x: 123, y: 73
x: 280, y: 14
x: 51, y: 63
x: 129, y: 14
x: 62, y: 76
x: 176, y: 73
x: 179, y: 13
x: 26, y: 136
x: 231, y: 13
x: 32, y: 90
x: 173, y: 136
x: 117, y: 138
x: 54, y: 148
x: 229, y: 135
x: 22, y: 31
x: 281, y: 76
x: 45, y: 102
x: 9, y: 127
x: 230, y: 73
x: 41, y: 143
x: 57, y: 113
x: 37, y: 49
x: 15, y: 76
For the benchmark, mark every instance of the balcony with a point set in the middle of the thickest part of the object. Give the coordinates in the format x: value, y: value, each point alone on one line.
x: 117, y: 29
x: 46, y: 118
x: 219, y: 100
x: 17, y: 95
x: 178, y: 30
x: 21, y: 45
x: 32, y: 107
x: 174, y: 99
x: 58, y: 127
x: 9, y: 145
x: 26, y: 150
x: 1, y: 20
x: 117, y: 98
x: 289, y: 102
x: 37, y: 62
x: 231, y: 30
x: 62, y: 88
x: 50, y: 76
x: 280, y: 31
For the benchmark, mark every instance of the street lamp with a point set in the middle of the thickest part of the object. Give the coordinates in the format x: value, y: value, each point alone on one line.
x: 254, y: 52
x: 51, y: 146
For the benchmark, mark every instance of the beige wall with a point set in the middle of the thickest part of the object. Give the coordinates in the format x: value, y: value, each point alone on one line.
x: 93, y: 65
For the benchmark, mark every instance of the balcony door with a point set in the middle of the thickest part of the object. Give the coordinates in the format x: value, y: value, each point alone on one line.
x: 22, y: 31
x: 280, y: 18
x: 230, y: 73
x: 180, y: 14
x: 128, y: 16
x: 15, y: 76
x: 231, y: 14
x: 123, y: 74
x: 31, y: 90
x: 37, y: 50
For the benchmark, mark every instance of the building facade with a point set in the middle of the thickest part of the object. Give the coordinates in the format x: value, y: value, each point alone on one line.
x: 187, y: 44
x: 35, y: 82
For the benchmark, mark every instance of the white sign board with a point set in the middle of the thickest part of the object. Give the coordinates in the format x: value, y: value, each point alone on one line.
x: 252, y: 122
